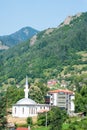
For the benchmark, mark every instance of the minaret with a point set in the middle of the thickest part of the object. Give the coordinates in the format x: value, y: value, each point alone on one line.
x: 26, y: 90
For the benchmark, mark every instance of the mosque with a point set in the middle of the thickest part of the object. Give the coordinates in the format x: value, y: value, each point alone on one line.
x: 27, y: 107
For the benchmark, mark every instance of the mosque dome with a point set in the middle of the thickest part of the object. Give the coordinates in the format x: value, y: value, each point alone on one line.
x: 26, y: 101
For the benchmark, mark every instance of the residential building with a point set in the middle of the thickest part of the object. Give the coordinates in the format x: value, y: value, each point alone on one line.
x: 22, y: 128
x: 63, y: 99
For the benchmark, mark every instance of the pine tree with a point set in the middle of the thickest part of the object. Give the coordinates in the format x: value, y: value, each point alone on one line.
x: 2, y: 111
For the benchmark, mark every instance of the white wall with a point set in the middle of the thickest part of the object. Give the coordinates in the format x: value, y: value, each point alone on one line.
x: 24, y: 111
x: 72, y: 103
x: 28, y: 111
x: 55, y: 99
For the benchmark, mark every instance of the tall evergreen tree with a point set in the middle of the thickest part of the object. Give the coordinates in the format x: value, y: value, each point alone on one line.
x: 2, y: 112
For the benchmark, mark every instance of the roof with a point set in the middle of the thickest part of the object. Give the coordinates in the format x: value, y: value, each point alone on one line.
x: 26, y: 101
x: 61, y: 90
x: 22, y: 128
x: 42, y: 111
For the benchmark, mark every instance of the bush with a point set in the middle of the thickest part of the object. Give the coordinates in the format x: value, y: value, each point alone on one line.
x: 41, y: 119
x: 29, y: 121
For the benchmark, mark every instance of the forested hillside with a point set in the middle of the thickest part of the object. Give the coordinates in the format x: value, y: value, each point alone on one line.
x: 59, y: 53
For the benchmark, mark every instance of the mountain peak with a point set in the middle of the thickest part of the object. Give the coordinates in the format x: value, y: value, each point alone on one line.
x: 19, y: 36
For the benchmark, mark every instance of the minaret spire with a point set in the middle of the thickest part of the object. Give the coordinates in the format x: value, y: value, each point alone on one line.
x: 26, y: 90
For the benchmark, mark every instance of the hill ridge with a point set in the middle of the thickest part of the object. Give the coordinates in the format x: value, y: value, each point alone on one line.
x: 53, y: 55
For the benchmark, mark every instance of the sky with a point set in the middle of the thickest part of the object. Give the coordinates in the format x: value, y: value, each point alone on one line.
x: 38, y: 14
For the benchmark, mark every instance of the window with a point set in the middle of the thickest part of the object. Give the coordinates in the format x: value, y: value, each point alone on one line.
x: 23, y: 110
x: 15, y: 110
x: 31, y: 110
x: 36, y: 110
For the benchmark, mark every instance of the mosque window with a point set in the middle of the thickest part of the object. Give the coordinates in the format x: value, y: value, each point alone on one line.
x: 32, y: 111
x: 36, y: 110
x: 15, y: 110
x: 23, y: 110
x: 29, y: 110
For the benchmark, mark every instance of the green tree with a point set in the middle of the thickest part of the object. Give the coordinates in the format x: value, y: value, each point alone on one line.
x: 81, y: 100
x: 36, y: 94
x: 54, y: 118
x: 41, y: 119
x: 2, y: 111
x: 57, y: 118
x: 13, y: 94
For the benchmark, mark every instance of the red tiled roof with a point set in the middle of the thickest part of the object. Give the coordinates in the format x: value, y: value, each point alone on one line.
x: 42, y: 111
x: 22, y: 128
x: 61, y: 90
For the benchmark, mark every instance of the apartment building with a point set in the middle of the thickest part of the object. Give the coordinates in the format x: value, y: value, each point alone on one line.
x: 63, y: 99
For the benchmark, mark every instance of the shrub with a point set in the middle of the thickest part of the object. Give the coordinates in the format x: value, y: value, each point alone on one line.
x: 29, y: 121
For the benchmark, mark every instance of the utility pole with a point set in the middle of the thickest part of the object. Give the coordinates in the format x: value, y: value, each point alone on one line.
x: 46, y: 119
x: 28, y: 127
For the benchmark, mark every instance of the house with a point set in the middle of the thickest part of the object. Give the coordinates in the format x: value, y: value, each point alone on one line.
x: 51, y: 83
x: 22, y: 128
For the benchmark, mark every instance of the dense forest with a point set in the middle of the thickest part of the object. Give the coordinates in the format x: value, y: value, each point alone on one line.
x: 53, y: 54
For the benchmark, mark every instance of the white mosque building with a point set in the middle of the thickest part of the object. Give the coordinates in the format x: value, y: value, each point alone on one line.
x: 27, y: 107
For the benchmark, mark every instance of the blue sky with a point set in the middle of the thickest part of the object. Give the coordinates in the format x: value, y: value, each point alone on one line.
x: 39, y: 14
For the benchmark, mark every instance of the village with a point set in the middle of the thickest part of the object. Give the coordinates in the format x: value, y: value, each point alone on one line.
x: 26, y: 107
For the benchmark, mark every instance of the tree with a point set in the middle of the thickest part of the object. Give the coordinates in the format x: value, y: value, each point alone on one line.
x: 57, y: 117
x: 14, y: 94
x: 41, y: 119
x: 36, y: 94
x: 2, y: 111
x: 81, y: 100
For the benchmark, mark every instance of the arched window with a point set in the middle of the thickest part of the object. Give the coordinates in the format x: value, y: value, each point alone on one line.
x: 15, y: 110
x: 31, y: 110
x: 23, y: 110
x: 36, y: 110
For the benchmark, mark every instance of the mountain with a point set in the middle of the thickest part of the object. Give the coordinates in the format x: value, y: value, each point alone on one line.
x: 18, y: 37
x: 59, y: 53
